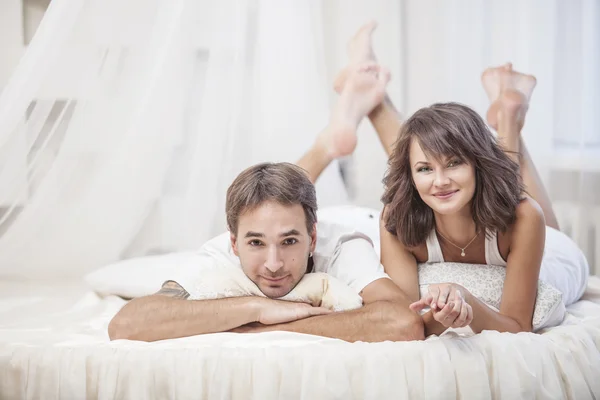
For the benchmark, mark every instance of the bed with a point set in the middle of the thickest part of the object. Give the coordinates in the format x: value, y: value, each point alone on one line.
x: 54, y: 345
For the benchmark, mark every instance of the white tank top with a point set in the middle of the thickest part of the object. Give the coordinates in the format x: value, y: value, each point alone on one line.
x: 492, y: 254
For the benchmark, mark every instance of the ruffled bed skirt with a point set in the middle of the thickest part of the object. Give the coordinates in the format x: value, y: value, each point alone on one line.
x: 53, y: 353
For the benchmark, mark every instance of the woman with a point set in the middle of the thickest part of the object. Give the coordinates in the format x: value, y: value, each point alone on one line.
x: 452, y: 194
x: 456, y: 193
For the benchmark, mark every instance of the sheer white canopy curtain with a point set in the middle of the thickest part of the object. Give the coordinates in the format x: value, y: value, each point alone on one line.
x: 124, y: 122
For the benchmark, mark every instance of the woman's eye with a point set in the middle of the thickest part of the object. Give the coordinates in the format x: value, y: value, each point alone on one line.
x: 290, y: 241
x: 454, y: 163
x: 424, y: 169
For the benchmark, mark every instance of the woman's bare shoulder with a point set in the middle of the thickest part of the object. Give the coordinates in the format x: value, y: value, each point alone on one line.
x: 420, y: 252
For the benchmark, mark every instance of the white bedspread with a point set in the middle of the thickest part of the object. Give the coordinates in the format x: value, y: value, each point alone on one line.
x: 54, y: 345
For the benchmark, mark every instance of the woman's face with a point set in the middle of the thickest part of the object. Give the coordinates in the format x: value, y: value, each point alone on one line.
x: 447, y: 185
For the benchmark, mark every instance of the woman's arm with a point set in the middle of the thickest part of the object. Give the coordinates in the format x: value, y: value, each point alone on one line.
x: 522, y: 274
x: 401, y: 265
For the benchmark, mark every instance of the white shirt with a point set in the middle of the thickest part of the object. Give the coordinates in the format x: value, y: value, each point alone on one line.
x: 340, y: 251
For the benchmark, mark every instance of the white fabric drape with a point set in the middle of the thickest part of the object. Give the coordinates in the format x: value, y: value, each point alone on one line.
x: 124, y: 123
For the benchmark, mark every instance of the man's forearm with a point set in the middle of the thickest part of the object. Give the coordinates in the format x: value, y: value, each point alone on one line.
x: 375, y: 322
x: 158, y: 317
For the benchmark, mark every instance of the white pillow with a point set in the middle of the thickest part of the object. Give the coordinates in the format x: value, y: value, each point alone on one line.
x: 318, y: 289
x: 486, y: 283
x: 143, y: 276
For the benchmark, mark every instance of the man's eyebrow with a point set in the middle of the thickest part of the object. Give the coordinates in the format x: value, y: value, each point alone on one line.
x: 291, y: 232
x: 254, y: 234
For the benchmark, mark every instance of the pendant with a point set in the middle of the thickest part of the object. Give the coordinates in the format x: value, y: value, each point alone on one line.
x: 462, y: 253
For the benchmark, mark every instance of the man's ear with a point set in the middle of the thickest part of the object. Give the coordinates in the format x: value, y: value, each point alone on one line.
x: 313, y: 238
x: 233, y: 240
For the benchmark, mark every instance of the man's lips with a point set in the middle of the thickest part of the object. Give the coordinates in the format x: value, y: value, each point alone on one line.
x: 279, y: 279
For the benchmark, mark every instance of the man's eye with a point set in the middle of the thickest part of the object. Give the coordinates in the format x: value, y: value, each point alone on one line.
x: 255, y: 243
x: 290, y: 241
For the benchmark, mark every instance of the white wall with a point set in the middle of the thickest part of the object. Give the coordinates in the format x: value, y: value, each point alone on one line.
x: 11, y: 37
x: 19, y: 20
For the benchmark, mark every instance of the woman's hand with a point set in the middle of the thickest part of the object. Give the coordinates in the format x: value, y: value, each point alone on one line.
x: 448, y: 304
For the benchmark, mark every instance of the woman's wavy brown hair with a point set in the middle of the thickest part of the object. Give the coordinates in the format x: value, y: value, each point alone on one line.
x: 450, y: 130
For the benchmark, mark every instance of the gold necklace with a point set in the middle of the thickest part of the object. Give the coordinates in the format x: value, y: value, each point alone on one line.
x: 462, y: 249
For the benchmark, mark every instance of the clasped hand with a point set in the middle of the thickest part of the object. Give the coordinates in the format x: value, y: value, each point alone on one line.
x: 448, y: 304
x: 273, y: 312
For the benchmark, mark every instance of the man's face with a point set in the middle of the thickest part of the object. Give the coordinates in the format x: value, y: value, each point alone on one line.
x: 273, y: 245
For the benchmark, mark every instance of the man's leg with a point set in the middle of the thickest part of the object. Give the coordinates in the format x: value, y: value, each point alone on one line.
x: 364, y: 89
x: 385, y: 118
x: 510, y: 92
x: 315, y: 160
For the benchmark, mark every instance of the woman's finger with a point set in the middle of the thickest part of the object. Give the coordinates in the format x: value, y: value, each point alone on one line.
x: 469, y: 315
x: 434, y: 291
x: 442, y: 315
x: 443, y: 298
x: 454, y: 310
x: 427, y: 298
x: 461, y: 320
x: 419, y: 305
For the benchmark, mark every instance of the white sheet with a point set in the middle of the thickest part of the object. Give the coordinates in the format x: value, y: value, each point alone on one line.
x: 564, y: 266
x: 54, y: 345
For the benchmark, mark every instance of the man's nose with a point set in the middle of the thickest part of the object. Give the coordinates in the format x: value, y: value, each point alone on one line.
x: 274, y: 261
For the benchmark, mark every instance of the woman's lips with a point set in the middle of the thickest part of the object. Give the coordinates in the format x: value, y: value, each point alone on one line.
x: 445, y: 195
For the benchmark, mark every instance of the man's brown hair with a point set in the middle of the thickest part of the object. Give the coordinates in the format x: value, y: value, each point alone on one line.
x: 450, y: 130
x: 283, y: 183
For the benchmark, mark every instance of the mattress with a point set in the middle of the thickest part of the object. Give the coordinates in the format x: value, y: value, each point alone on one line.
x: 54, y: 345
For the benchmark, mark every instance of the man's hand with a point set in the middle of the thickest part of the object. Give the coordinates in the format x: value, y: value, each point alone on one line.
x: 385, y: 316
x: 448, y: 305
x: 273, y: 312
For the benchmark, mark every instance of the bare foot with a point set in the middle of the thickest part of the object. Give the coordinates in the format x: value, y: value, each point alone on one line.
x: 364, y: 89
x: 496, y: 80
x: 360, y: 50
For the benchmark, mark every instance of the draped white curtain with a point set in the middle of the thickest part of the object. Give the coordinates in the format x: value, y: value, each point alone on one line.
x: 125, y: 122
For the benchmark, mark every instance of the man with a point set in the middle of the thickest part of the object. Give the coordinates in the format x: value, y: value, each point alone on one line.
x: 271, y: 216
